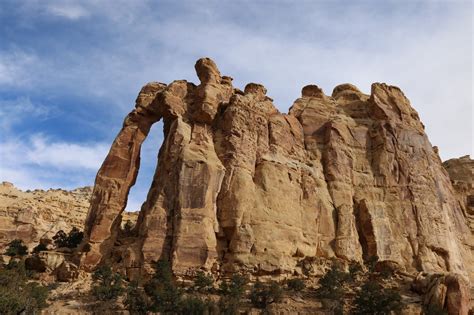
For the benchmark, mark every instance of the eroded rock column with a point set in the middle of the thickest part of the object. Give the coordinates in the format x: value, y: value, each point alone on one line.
x: 117, y: 175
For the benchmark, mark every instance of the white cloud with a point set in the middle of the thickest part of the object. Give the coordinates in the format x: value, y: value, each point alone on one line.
x: 68, y: 11
x: 40, y: 151
x: 64, y: 155
x: 426, y: 52
x: 39, y: 162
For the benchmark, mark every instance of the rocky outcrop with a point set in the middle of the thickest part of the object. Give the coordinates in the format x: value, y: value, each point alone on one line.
x: 36, y: 214
x: 449, y: 292
x: 33, y: 215
x: 461, y: 173
x: 239, y: 185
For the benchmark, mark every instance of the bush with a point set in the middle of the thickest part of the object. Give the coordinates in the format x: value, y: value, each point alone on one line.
x: 165, y: 296
x: 17, y: 295
x: 71, y: 240
x: 109, y: 285
x: 192, y: 305
x: 60, y: 239
x: 16, y: 248
x: 229, y: 305
x: 372, y: 263
x: 264, y: 294
x: 203, y: 282
x: 136, y: 300
x: 374, y: 299
x: 331, y: 285
x: 235, y: 287
x: 295, y: 285
x: 232, y: 292
x: 39, y: 248
x: 355, y: 269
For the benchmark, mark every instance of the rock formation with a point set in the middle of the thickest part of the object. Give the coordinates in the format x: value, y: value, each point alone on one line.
x: 461, y: 173
x: 239, y: 185
x: 449, y: 292
x: 31, y: 215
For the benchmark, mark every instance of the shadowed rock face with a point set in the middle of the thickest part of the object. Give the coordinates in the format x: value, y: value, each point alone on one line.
x: 239, y: 185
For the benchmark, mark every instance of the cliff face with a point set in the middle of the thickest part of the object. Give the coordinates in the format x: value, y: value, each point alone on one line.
x: 36, y: 214
x: 239, y: 185
x: 32, y: 215
x: 461, y: 173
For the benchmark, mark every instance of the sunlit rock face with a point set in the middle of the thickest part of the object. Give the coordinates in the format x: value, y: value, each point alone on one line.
x: 32, y: 215
x: 240, y: 186
x: 38, y: 214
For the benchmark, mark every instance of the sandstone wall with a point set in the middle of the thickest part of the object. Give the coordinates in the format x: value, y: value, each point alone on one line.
x: 239, y: 185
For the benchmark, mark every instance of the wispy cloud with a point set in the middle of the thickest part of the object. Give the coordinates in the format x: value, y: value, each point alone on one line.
x: 103, y: 51
x: 64, y: 155
x: 68, y: 11
x: 43, y: 163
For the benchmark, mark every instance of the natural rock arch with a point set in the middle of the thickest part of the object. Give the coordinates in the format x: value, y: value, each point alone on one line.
x: 239, y: 185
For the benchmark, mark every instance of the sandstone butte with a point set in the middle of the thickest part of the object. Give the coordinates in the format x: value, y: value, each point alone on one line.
x: 240, y: 186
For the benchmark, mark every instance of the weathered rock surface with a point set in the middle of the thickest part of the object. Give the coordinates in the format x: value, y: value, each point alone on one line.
x: 37, y: 214
x: 461, y: 173
x: 32, y: 215
x: 239, y: 185
x: 449, y: 292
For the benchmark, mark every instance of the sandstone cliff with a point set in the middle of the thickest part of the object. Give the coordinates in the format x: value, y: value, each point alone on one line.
x: 461, y: 173
x: 239, y: 185
x: 31, y: 215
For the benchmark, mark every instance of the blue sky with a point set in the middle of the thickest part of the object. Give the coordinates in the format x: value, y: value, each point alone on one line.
x: 70, y: 70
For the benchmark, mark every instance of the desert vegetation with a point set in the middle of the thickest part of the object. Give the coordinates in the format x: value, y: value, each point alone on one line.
x: 19, y: 293
x: 349, y: 289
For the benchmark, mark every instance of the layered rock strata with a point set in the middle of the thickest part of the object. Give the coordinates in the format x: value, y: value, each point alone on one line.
x: 32, y: 215
x: 239, y: 185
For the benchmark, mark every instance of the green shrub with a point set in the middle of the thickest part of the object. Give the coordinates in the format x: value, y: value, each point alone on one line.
x: 264, y: 294
x: 355, y: 269
x: 331, y: 285
x: 16, y: 248
x: 374, y: 299
x: 235, y: 287
x: 136, y: 300
x: 60, y: 239
x: 203, y: 282
x: 372, y: 263
x: 193, y: 305
x: 295, y: 285
x: 386, y: 270
x: 17, y: 295
x: 229, y: 305
x: 40, y: 248
x: 164, y: 294
x: 71, y: 240
x: 109, y: 284
x: 232, y: 291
